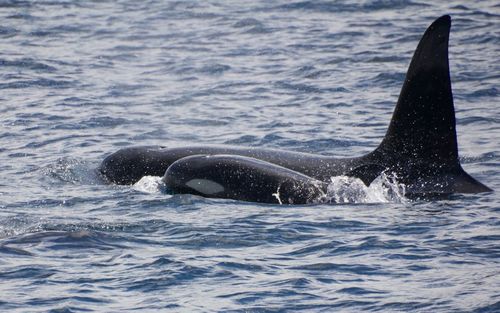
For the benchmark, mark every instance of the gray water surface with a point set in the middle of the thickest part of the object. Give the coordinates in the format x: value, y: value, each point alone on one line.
x: 80, y: 80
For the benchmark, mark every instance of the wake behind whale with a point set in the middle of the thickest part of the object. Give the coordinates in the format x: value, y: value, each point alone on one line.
x: 419, y: 149
x: 340, y: 189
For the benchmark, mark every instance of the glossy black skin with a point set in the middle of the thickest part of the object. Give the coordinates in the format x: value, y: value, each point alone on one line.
x: 420, y: 145
x: 245, y: 179
x: 127, y: 165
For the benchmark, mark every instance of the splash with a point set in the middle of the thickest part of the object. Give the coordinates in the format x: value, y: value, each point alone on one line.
x: 342, y: 189
x: 150, y: 184
x: 384, y: 189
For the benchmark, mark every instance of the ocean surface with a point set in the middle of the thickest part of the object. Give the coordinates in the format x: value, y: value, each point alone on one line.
x: 81, y: 79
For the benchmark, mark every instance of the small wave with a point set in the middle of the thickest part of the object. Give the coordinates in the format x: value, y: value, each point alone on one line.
x: 480, y: 158
x: 27, y: 63
x: 42, y: 82
x: 298, y: 87
x: 214, y: 69
x: 478, y: 120
x: 71, y: 170
x: 94, y: 122
x: 15, y: 4
x: 389, y: 79
x: 252, y: 26
x: 247, y: 22
x: 6, y: 32
x: 487, y: 92
x: 61, y: 240
x: 24, y: 272
x: 336, y: 7
x: 243, y: 140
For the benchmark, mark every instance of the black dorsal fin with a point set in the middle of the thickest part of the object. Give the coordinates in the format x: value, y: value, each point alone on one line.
x: 420, y: 146
x: 422, y: 128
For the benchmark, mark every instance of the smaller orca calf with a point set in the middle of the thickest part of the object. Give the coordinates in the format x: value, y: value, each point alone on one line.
x: 242, y: 178
x: 420, y: 149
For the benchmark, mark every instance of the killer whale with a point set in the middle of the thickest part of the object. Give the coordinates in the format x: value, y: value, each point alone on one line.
x: 242, y: 178
x: 420, y: 149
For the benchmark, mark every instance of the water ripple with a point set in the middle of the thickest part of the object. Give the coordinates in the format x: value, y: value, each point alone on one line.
x: 83, y: 79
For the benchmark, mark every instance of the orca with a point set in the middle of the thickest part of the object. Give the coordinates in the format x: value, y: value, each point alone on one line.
x: 242, y: 178
x: 419, y: 149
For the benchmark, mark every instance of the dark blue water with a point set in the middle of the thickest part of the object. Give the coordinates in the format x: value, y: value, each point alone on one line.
x: 79, y: 80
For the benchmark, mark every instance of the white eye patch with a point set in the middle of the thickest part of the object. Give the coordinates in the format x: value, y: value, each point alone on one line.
x: 205, y: 186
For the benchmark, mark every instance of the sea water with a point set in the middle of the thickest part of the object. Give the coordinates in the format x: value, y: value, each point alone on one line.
x: 82, y: 79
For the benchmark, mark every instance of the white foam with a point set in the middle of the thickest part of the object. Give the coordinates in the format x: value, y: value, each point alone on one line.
x: 383, y: 189
x: 150, y: 184
x: 342, y: 189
